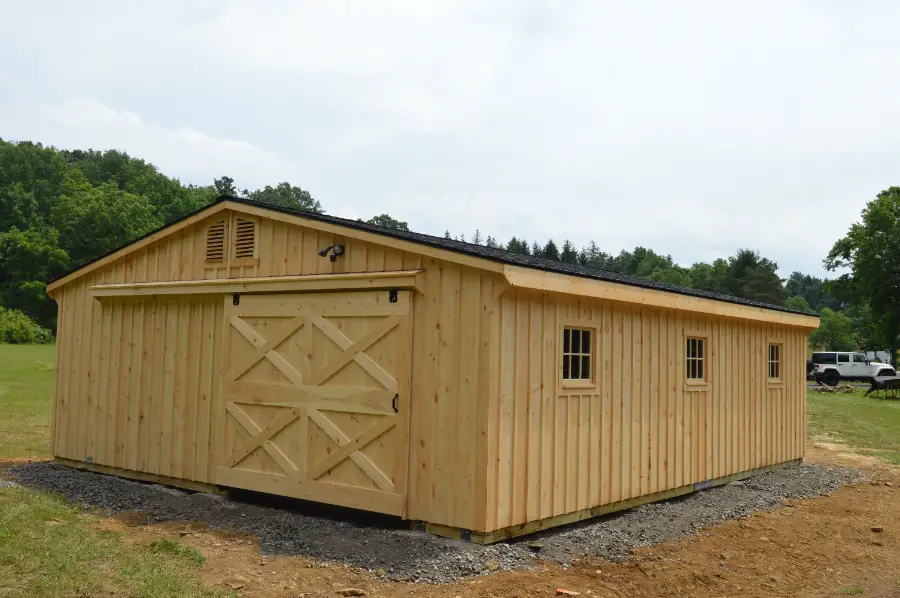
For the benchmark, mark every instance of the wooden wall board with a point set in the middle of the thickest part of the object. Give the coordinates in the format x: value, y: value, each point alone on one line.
x: 494, y: 439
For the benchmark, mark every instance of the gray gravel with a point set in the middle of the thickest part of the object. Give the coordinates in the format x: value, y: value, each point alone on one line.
x: 370, y: 543
x: 7, y: 483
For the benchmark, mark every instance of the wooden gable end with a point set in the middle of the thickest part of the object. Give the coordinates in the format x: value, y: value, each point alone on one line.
x: 231, y: 244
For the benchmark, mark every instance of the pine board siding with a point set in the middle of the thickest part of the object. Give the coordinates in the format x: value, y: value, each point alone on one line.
x: 490, y: 436
x: 142, y: 376
x: 642, y: 429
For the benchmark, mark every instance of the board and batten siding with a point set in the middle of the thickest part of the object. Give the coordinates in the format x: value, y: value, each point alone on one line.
x: 494, y: 440
x: 129, y: 397
x: 642, y: 429
x: 140, y: 378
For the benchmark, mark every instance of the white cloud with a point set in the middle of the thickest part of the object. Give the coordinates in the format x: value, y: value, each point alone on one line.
x: 692, y: 128
x: 196, y: 156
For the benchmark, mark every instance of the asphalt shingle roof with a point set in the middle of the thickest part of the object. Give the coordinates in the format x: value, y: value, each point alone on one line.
x: 511, y: 258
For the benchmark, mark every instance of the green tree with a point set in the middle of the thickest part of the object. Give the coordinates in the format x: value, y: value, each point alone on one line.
x: 550, y: 251
x: 225, y: 186
x: 169, y: 197
x: 835, y: 332
x: 871, y: 251
x: 517, y: 246
x: 40, y: 170
x: 812, y: 289
x: 285, y: 195
x: 93, y: 221
x: 751, y: 276
x: 568, y: 254
x: 709, y: 277
x: 28, y: 259
x: 387, y: 222
x: 798, y: 303
x: 18, y: 207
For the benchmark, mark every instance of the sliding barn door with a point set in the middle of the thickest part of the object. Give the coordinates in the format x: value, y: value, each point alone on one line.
x: 316, y: 397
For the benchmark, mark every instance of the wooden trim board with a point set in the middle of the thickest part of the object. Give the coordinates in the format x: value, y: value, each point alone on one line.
x: 151, y: 238
x: 140, y: 476
x: 538, y: 280
x: 551, y: 522
x: 401, y: 279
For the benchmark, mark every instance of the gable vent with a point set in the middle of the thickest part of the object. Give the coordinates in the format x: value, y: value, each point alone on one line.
x: 244, y: 239
x: 215, y: 242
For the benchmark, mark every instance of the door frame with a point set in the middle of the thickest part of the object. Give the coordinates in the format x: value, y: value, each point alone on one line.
x: 396, y: 502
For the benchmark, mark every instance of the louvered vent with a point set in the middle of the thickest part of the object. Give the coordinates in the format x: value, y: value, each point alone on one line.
x: 215, y: 242
x: 244, y: 239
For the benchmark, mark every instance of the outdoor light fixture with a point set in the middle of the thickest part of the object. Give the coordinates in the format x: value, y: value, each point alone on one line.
x: 335, y: 250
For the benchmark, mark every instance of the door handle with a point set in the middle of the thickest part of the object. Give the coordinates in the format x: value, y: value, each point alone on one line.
x: 394, y: 403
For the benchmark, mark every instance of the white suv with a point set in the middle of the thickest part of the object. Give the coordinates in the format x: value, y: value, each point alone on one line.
x: 832, y: 367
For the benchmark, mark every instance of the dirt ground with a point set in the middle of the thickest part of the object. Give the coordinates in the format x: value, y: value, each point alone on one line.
x: 820, y: 547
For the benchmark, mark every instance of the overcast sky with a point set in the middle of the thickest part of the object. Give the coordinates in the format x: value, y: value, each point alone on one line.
x: 692, y: 128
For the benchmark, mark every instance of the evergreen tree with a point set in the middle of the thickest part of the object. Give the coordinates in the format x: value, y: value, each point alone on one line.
x: 568, y: 255
x: 550, y: 252
x: 476, y: 238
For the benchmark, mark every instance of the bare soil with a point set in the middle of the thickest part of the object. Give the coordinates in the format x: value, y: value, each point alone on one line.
x: 819, y: 547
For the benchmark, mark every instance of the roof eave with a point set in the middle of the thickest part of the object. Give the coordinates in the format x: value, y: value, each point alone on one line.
x: 538, y: 280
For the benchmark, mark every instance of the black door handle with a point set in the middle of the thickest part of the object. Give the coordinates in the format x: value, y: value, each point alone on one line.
x: 394, y: 403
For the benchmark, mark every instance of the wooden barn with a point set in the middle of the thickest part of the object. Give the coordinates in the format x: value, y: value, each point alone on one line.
x: 478, y: 393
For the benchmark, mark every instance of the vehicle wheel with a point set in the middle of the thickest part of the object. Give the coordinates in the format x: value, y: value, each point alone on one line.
x: 831, y: 378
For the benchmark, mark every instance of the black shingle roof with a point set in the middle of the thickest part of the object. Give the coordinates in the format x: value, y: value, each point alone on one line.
x: 480, y: 251
x: 514, y: 259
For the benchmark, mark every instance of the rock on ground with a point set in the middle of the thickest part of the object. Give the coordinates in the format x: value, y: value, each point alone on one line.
x: 369, y: 542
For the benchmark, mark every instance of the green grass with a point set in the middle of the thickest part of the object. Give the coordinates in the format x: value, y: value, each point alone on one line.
x: 26, y: 388
x: 868, y: 424
x: 48, y: 549
x: 166, y: 546
x: 851, y: 591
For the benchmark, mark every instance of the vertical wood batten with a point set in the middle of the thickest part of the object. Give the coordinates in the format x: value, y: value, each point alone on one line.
x: 494, y: 442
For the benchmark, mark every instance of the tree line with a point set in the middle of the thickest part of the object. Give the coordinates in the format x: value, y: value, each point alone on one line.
x: 60, y: 209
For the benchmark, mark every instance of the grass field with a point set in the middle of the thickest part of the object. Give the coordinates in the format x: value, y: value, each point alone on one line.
x: 871, y: 426
x: 48, y: 548
x: 26, y: 386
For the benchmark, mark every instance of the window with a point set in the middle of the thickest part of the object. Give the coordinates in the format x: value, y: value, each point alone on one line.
x: 244, y: 239
x: 843, y: 358
x: 824, y: 358
x: 695, y: 370
x: 774, y: 361
x: 859, y: 358
x: 577, y: 355
x: 215, y: 242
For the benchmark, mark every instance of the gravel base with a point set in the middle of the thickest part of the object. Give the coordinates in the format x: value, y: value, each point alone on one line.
x: 420, y: 557
x: 7, y: 483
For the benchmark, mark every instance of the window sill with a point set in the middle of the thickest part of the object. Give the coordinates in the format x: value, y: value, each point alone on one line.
x: 699, y: 385
x: 575, y: 388
x: 775, y: 383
